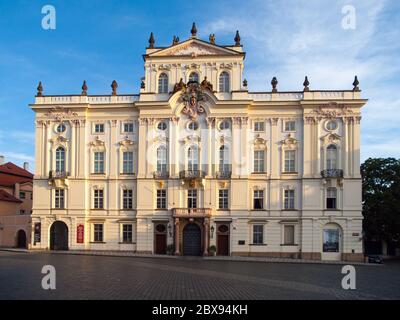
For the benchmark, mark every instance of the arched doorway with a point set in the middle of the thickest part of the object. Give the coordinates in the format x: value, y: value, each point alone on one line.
x: 191, y: 240
x: 21, y: 239
x: 59, y: 236
x: 332, y: 242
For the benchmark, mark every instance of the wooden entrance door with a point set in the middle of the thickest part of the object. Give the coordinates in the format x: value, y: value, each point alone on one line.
x: 192, y: 240
x: 160, y: 242
x: 59, y: 236
x: 223, y: 240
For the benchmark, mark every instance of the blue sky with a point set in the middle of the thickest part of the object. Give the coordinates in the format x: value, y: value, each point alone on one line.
x: 99, y: 41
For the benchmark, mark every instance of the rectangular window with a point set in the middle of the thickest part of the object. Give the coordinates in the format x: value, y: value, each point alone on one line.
x: 259, y: 160
x: 290, y: 161
x: 259, y: 126
x: 192, y: 199
x: 22, y: 195
x: 288, y: 235
x: 290, y: 125
x: 98, y: 232
x: 331, y: 196
x: 258, y: 234
x: 59, y: 199
x: 161, y: 199
x: 223, y: 199
x: 258, y: 200
x: 128, y: 162
x: 98, y: 199
x: 127, y: 233
x: 99, y: 162
x: 99, y: 128
x: 128, y: 199
x: 289, y: 200
x: 128, y: 127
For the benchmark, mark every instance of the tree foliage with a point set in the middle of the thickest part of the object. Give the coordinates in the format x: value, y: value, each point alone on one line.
x: 381, y: 198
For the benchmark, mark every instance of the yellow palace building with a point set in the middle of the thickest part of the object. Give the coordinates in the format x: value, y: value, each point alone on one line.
x: 196, y: 162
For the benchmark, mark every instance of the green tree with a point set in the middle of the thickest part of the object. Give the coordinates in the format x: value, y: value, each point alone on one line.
x: 381, y: 198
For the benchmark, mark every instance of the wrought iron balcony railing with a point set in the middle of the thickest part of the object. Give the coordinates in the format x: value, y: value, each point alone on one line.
x: 160, y: 174
x: 192, y: 174
x: 191, y: 212
x: 223, y: 174
x: 58, y: 174
x: 332, y: 173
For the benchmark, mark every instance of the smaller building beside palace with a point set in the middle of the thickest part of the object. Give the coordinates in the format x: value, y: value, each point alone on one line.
x: 196, y: 163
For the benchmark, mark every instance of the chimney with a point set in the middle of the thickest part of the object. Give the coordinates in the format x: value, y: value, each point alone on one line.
x: 2, y: 160
x: 26, y: 166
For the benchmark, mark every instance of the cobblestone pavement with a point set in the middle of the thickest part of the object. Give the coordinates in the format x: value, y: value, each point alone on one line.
x: 101, y: 277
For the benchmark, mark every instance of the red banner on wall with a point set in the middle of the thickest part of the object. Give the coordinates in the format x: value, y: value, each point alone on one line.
x: 80, y: 233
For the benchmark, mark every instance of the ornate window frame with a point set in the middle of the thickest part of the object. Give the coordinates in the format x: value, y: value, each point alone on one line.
x: 289, y: 144
x: 127, y: 145
x: 97, y: 145
x: 296, y: 199
x: 159, y: 74
x: 229, y: 80
x: 326, y: 141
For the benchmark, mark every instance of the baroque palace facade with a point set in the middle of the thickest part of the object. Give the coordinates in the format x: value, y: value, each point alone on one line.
x: 195, y: 163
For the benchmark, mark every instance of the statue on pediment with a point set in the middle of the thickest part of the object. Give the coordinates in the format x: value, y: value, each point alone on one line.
x: 179, y: 86
x: 206, y: 84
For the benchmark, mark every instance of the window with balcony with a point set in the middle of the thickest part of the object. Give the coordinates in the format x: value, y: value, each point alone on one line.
x: 127, y: 199
x: 258, y: 200
x: 127, y: 233
x: 258, y: 234
x: 331, y: 157
x: 98, y: 199
x: 162, y: 159
x: 161, y: 199
x: 331, y: 198
x: 127, y: 166
x: 224, y: 165
x: 290, y: 161
x: 224, y: 82
x: 192, y: 199
x: 98, y: 232
x: 223, y: 201
x: 59, y: 199
x: 98, y: 162
x: 60, y: 159
x: 259, y: 161
x: 163, y: 83
x: 193, y: 158
x: 289, y: 200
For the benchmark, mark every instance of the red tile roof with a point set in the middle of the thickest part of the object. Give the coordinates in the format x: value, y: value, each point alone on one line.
x: 10, y: 174
x: 5, y: 196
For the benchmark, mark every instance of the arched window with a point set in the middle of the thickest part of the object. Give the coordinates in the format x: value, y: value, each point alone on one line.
x: 163, y: 83
x: 194, y: 77
x: 331, y: 157
x: 224, y: 159
x: 162, y: 159
x: 224, y: 82
x: 193, y: 158
x: 60, y: 159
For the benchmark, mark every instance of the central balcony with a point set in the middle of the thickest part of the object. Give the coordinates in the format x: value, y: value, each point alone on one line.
x: 58, y: 175
x: 191, y: 212
x: 332, y: 173
x: 160, y: 175
x: 58, y: 179
x: 192, y: 174
x: 223, y: 174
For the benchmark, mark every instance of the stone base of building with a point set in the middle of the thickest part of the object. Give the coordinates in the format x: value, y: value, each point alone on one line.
x: 353, y: 257
x: 287, y: 255
x: 311, y: 255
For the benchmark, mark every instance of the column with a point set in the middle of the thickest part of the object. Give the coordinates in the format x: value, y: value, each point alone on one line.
x: 142, y: 141
x: 39, y: 147
x: 236, y: 147
x: 245, y: 148
x: 72, y: 163
x: 210, y: 146
x: 274, y: 154
x: 177, y: 253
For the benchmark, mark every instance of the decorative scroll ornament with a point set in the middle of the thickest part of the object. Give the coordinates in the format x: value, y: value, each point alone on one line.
x: 331, y: 114
x: 192, y: 97
x: 59, y: 113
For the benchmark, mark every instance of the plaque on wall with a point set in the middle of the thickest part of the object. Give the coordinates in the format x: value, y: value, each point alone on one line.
x: 80, y: 233
x: 37, y: 233
x: 241, y: 242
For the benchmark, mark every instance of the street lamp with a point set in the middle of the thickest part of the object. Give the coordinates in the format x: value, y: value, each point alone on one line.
x: 212, y: 232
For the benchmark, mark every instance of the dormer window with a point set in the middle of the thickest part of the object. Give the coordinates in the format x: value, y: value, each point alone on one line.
x: 224, y: 82
x: 163, y: 83
x: 194, y: 77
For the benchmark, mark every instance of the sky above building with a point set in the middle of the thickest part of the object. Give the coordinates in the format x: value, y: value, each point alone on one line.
x: 99, y: 41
